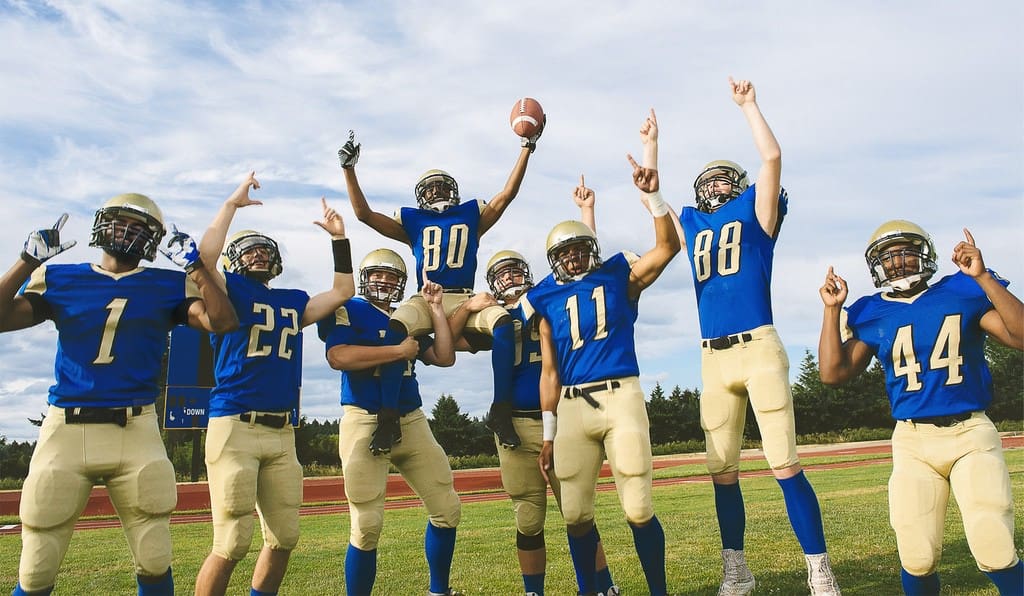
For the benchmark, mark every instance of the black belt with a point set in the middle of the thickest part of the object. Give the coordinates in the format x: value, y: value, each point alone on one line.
x: 950, y: 420
x: 532, y: 414
x: 118, y: 416
x: 726, y: 341
x: 271, y: 420
x: 458, y: 290
x: 586, y: 391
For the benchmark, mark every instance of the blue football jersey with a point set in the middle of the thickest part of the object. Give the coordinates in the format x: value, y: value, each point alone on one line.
x: 111, y: 331
x: 258, y: 366
x: 731, y: 261
x: 360, y: 323
x: 444, y: 244
x: 931, y: 346
x: 591, y: 323
x: 526, y: 368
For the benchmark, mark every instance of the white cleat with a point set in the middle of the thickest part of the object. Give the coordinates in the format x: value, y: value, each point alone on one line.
x: 738, y: 580
x: 820, y: 578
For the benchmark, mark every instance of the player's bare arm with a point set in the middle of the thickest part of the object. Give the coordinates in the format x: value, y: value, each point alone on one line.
x: 494, y: 208
x: 41, y: 245
x: 212, y: 242
x: 350, y: 357
x: 838, y: 362
x: 214, y: 313
x: 348, y: 155
x: 460, y: 316
x: 585, y: 198
x: 344, y: 286
x: 550, y: 392
x: 442, y: 353
x: 649, y: 139
x: 766, y: 202
x: 666, y: 241
x: 1005, y: 322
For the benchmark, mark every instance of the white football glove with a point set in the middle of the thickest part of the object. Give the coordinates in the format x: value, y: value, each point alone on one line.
x: 43, y: 245
x: 182, y: 249
x: 531, y: 142
x: 348, y: 155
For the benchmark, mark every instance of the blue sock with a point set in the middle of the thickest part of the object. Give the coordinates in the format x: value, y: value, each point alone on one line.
x: 804, y: 513
x: 604, y: 580
x: 360, y: 571
x: 732, y: 518
x: 19, y: 591
x: 503, y: 356
x: 650, y: 547
x: 156, y: 586
x: 913, y: 585
x: 439, y: 545
x: 583, y: 550
x: 1009, y: 580
x: 534, y: 583
x: 254, y: 592
x: 392, y: 373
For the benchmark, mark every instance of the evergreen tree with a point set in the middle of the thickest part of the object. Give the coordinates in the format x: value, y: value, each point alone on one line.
x: 1007, y: 368
x: 451, y: 427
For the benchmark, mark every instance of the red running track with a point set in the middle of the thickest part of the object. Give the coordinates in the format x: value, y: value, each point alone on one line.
x: 321, y: 496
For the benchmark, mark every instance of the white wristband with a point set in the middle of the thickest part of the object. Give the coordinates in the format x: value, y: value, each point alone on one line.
x: 657, y: 205
x: 550, y: 425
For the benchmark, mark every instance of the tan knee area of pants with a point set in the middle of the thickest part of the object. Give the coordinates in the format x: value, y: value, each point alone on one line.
x: 40, y: 559
x: 233, y: 537
x: 153, y: 548
x: 448, y: 513
x: 49, y: 499
x: 985, y: 498
x: 914, y: 517
x: 366, y: 524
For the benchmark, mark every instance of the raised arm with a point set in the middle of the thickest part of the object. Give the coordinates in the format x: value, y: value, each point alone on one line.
x: 766, y: 201
x: 838, y: 362
x: 666, y: 240
x: 213, y: 313
x: 649, y: 139
x: 16, y: 312
x: 348, y: 155
x: 584, y: 198
x: 442, y: 353
x: 212, y: 243
x: 496, y: 206
x: 344, y: 286
x: 1005, y: 322
x: 550, y: 393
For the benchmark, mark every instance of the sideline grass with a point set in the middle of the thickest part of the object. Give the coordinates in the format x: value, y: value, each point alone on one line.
x: 853, y: 502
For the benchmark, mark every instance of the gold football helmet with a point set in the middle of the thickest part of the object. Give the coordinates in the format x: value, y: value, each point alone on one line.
x: 900, y: 254
x: 583, y: 256
x: 436, y: 190
x: 245, y: 241
x: 128, y: 226
x: 504, y: 271
x: 708, y: 199
x: 386, y: 260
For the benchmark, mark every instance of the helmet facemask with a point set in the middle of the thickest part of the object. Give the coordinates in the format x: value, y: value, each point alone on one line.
x: 127, y: 233
x: 574, y: 258
x: 380, y: 290
x: 901, y: 255
x: 509, y: 278
x: 437, y: 191
x: 708, y: 190
x: 247, y: 243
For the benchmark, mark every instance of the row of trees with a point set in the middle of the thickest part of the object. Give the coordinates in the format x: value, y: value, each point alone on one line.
x: 861, y: 403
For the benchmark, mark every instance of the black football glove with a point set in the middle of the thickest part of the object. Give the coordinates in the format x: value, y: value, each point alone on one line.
x: 531, y: 142
x: 348, y: 155
x: 388, y: 432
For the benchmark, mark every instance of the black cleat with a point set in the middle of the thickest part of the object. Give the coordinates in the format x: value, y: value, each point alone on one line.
x: 388, y: 432
x: 499, y: 422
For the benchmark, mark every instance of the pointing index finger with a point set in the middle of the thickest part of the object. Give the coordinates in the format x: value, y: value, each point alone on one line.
x: 60, y: 221
x: 970, y: 239
x: 632, y: 161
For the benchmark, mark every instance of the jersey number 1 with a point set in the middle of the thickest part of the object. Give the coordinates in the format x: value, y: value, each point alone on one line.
x: 105, y: 355
x: 601, y: 323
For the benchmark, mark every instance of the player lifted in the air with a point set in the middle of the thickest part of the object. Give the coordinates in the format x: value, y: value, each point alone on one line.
x: 250, y: 442
x: 931, y: 342
x: 444, y: 234
x: 354, y: 336
x: 112, y: 321
x: 730, y: 239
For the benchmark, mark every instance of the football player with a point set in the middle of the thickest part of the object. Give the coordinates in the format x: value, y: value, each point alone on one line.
x: 112, y: 321
x: 250, y: 443
x: 931, y: 343
x: 444, y: 234
x: 354, y: 336
x: 589, y: 379
x: 730, y: 239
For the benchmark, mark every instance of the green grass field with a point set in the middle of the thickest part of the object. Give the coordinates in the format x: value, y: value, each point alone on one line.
x: 853, y: 502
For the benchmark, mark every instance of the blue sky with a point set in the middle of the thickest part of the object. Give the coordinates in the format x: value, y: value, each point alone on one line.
x: 912, y: 110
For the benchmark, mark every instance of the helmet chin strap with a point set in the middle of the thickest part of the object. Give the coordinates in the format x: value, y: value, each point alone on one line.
x: 906, y: 284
